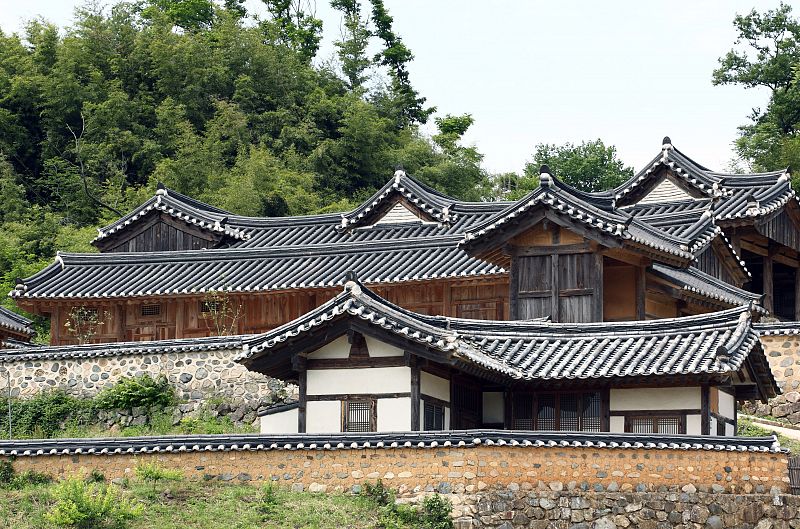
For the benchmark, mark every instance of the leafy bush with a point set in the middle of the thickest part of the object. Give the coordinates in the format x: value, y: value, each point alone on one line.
x: 137, y: 392
x: 7, y: 473
x: 45, y: 414
x: 434, y: 513
x: 81, y: 505
x: 154, y: 473
x: 269, y: 499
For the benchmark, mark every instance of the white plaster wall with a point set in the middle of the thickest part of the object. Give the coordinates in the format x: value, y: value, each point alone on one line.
x: 493, y: 409
x: 616, y: 424
x: 433, y: 386
x: 712, y: 426
x: 358, y: 381
x: 339, y: 348
x: 379, y: 348
x: 394, y: 415
x: 636, y: 399
x: 693, y: 425
x: 727, y: 405
x: 281, y: 422
x: 324, y: 416
x: 730, y: 430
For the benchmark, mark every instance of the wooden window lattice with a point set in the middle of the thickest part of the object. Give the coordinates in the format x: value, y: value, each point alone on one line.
x: 358, y: 416
x: 434, y: 416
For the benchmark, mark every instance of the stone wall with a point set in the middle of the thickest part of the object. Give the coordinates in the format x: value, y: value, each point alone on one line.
x: 200, y: 377
x: 783, y: 352
x: 461, y: 470
x: 512, y: 508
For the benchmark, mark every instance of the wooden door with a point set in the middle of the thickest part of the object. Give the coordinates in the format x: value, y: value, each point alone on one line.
x: 561, y: 286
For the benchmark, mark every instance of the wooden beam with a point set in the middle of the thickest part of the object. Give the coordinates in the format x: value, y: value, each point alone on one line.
x: 415, y: 394
x: 641, y: 292
x: 705, y: 414
x: 357, y: 396
x: 768, y: 280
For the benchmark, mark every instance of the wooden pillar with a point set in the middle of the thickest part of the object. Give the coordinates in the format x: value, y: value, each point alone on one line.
x: 641, y: 292
x: 797, y: 294
x: 598, y: 286
x: 768, y: 282
x: 300, y: 366
x: 605, y: 410
x: 415, y: 394
x: 705, y: 412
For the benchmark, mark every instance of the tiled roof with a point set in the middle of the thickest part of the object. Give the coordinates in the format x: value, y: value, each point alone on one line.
x: 778, y: 328
x: 736, y: 196
x: 594, y: 211
x: 13, y: 322
x: 97, y: 350
x: 373, y: 441
x: 709, y: 344
x: 698, y: 284
x: 250, y: 270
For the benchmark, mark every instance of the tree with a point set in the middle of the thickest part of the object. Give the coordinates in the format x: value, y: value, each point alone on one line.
x: 294, y: 25
x: 766, y: 54
x: 409, y: 105
x: 186, y: 14
x: 590, y: 166
x: 352, y: 48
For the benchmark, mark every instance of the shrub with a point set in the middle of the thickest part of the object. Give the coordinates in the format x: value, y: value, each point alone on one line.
x: 45, y: 414
x: 9, y: 479
x: 82, y: 505
x: 155, y: 473
x: 378, y: 493
x: 137, y: 392
x: 436, y: 513
x: 269, y: 499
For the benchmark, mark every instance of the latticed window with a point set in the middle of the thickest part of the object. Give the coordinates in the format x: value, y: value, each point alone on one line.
x: 358, y: 416
x: 151, y: 310
x: 434, y: 416
x: 669, y: 424
x: 572, y: 411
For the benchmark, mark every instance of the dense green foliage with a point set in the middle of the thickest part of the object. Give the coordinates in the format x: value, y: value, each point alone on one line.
x: 214, y: 102
x: 433, y: 513
x: 45, y: 415
x: 767, y: 55
x: 590, y: 166
x: 83, y: 505
x: 137, y: 392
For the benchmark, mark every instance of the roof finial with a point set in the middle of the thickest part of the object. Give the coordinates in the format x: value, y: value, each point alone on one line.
x: 351, y: 282
x: 161, y: 189
x: 399, y: 173
x: 545, y: 176
x: 666, y: 143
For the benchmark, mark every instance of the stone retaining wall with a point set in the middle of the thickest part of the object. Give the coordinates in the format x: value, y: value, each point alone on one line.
x: 198, y: 376
x: 783, y: 352
x: 543, y: 509
x: 460, y: 470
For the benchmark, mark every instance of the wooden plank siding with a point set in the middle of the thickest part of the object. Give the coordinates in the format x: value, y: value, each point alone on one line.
x: 160, y: 233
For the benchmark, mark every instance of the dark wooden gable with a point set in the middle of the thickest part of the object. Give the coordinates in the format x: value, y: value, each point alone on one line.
x: 555, y: 273
x: 782, y: 227
x: 159, y: 232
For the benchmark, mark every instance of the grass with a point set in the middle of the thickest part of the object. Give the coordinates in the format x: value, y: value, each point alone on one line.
x: 749, y: 428
x: 212, y: 505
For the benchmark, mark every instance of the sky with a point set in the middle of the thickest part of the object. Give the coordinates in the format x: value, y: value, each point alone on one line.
x: 626, y: 71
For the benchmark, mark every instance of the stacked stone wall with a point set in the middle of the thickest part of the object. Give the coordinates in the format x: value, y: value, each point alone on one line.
x: 783, y: 352
x: 202, y: 379
x: 459, y: 470
x: 543, y: 509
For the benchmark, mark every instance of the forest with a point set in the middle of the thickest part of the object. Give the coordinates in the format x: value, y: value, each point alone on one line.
x: 236, y: 109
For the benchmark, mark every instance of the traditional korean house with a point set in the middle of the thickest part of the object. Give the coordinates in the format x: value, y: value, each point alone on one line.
x: 15, y: 331
x: 364, y: 364
x: 625, y: 310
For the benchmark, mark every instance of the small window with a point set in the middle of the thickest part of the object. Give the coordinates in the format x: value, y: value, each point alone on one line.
x: 358, y: 416
x: 151, y: 310
x: 434, y: 416
x: 567, y: 411
x: 720, y: 427
x: 207, y: 307
x: 669, y: 424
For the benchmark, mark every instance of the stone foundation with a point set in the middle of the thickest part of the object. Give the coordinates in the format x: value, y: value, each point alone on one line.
x: 543, y: 509
x: 783, y: 352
